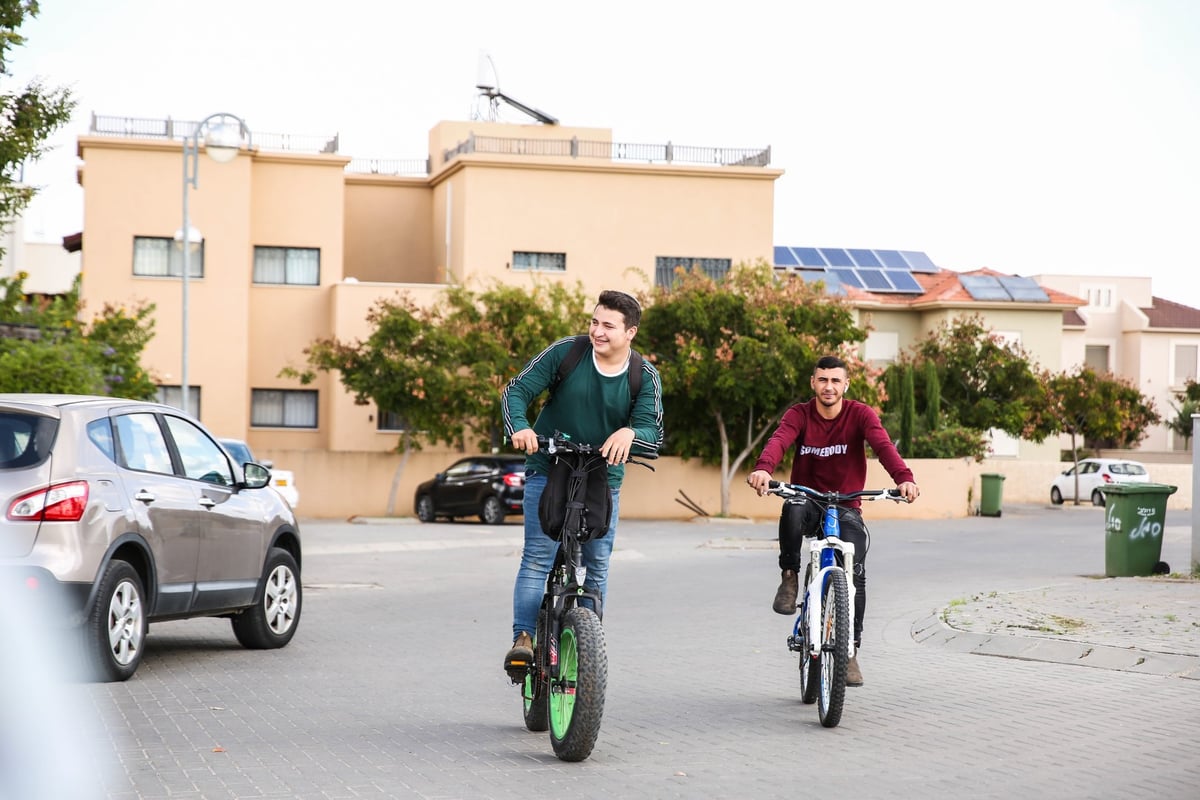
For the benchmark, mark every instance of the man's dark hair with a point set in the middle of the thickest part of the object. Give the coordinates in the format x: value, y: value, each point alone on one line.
x: 831, y: 362
x: 627, y: 304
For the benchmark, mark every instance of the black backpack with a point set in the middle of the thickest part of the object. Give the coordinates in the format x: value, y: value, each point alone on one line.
x: 576, y: 494
x: 583, y: 344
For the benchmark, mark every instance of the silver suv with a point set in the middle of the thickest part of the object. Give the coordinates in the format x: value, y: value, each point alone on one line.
x: 119, y: 513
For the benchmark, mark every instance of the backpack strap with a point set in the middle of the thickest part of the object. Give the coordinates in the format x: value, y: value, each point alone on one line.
x: 583, y: 344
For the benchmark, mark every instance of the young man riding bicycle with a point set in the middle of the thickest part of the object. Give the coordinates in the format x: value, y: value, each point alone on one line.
x: 592, y: 404
x: 829, y: 433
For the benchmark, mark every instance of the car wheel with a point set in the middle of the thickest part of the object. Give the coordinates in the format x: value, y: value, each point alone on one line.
x: 115, y: 630
x: 271, y: 622
x: 1097, y: 497
x: 492, y: 512
x: 425, y: 508
x: 1056, y: 496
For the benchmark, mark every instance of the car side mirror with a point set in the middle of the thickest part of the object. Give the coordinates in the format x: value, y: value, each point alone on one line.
x: 257, y: 475
x: 441, y: 476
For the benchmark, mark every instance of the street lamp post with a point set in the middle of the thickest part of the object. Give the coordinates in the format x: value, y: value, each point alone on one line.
x: 224, y: 136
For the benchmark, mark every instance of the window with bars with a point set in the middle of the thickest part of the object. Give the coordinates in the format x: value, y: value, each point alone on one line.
x: 665, y: 266
x: 160, y: 257
x: 173, y: 396
x: 283, y: 408
x: 298, y: 266
x: 390, y: 421
x: 552, y: 262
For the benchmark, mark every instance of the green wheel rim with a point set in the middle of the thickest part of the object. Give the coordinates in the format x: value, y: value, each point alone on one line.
x: 562, y: 689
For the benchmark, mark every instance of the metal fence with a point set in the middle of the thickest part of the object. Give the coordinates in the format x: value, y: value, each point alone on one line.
x: 138, y: 128
x: 614, y: 151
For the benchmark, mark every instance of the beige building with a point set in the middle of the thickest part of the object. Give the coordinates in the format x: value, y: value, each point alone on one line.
x: 298, y: 244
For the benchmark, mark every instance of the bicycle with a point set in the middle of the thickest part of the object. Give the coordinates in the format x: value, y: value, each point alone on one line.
x: 564, y: 686
x: 822, y: 634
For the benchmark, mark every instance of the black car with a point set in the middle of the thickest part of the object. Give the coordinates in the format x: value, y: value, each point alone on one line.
x: 489, y: 487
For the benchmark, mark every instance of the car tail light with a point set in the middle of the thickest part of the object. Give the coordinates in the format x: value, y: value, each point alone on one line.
x: 1107, y: 478
x: 514, y: 479
x: 63, y: 502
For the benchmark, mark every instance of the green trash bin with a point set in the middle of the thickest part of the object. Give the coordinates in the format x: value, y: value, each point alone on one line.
x: 1134, y: 518
x: 992, y: 490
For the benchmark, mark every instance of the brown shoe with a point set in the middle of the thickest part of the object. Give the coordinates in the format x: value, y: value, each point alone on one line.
x: 785, y: 596
x: 853, y: 673
x: 518, y: 660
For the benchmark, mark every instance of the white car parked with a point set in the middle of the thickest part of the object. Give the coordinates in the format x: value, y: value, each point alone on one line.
x: 282, y: 480
x: 1094, y: 475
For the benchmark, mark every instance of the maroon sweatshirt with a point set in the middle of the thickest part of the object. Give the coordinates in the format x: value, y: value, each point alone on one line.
x: 830, y: 455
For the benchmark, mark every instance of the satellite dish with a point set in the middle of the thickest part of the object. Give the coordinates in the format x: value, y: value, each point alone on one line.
x: 487, y: 81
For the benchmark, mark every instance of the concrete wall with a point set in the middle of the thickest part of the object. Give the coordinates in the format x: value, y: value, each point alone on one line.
x: 346, y: 484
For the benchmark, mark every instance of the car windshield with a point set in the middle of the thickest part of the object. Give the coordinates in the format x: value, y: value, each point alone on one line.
x: 239, y: 450
x: 25, y: 439
x: 1128, y: 469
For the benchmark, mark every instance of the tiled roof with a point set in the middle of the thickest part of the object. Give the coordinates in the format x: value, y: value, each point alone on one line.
x: 1165, y: 314
x: 1071, y: 318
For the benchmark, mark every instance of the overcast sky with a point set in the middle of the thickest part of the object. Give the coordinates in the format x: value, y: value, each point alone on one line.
x: 1030, y: 136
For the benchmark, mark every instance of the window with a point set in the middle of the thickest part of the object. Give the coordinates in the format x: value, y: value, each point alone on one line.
x: 664, y: 268
x: 882, y: 347
x: 1099, y: 296
x: 553, y: 262
x: 142, y: 445
x: 202, y: 458
x: 299, y: 266
x: 173, y: 396
x: 1185, y: 364
x: 390, y: 421
x: 1096, y: 358
x: 160, y: 257
x: 283, y: 408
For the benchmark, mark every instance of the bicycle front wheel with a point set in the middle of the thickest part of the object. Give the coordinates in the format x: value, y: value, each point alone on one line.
x: 835, y: 648
x: 577, y: 694
x: 534, y: 691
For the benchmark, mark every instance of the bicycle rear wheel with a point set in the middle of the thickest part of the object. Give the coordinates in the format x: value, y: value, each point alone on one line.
x: 577, y: 694
x: 534, y: 691
x: 835, y: 648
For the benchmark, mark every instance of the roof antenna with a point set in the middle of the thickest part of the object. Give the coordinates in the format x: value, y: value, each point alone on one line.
x: 487, y: 82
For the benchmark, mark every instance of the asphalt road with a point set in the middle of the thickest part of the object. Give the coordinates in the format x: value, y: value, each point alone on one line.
x: 393, y: 688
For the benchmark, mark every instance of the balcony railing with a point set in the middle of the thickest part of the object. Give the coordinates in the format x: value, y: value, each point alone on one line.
x: 135, y: 128
x: 388, y: 166
x: 613, y: 151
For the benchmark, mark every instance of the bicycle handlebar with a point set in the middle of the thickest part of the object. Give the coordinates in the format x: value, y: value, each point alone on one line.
x: 560, y: 443
x: 795, y: 489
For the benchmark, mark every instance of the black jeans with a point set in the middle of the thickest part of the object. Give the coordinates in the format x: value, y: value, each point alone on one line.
x: 801, y: 517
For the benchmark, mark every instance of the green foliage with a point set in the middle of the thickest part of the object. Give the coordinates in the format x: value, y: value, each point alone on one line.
x: 949, y: 441
x: 44, y: 349
x: 1189, y: 404
x: 1093, y: 407
x: 28, y: 116
x: 908, y: 411
x: 441, y: 368
x: 734, y: 354
x: 933, y: 396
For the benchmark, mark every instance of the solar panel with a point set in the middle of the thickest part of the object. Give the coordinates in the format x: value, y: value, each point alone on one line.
x: 904, y: 281
x: 984, y: 287
x: 836, y: 256
x: 847, y: 277
x: 875, y: 279
x: 1024, y: 289
x: 919, y: 261
x: 809, y: 257
x: 785, y: 258
x: 892, y: 259
x: 832, y: 284
x: 864, y: 258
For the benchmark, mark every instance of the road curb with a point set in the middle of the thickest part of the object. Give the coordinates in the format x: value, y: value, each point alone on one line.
x: 934, y: 630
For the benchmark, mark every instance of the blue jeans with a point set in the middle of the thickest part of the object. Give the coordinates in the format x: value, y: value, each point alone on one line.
x: 537, y: 558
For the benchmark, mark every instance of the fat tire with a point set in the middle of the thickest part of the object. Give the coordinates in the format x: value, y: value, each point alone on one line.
x: 492, y: 511
x: 272, y: 621
x: 425, y: 508
x: 534, y: 689
x: 575, y: 717
x: 835, y: 648
x: 119, y: 612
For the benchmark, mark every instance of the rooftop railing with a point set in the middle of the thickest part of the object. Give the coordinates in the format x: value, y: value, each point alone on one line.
x: 136, y: 128
x: 614, y: 151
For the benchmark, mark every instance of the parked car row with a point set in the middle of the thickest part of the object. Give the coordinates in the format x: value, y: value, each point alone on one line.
x: 119, y: 513
x: 1092, y: 475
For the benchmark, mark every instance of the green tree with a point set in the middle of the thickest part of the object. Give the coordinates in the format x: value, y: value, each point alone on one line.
x: 1189, y: 404
x: 734, y: 354
x: 908, y: 410
x: 28, y: 116
x: 44, y: 349
x: 933, y: 397
x: 441, y: 368
x: 1088, y: 406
